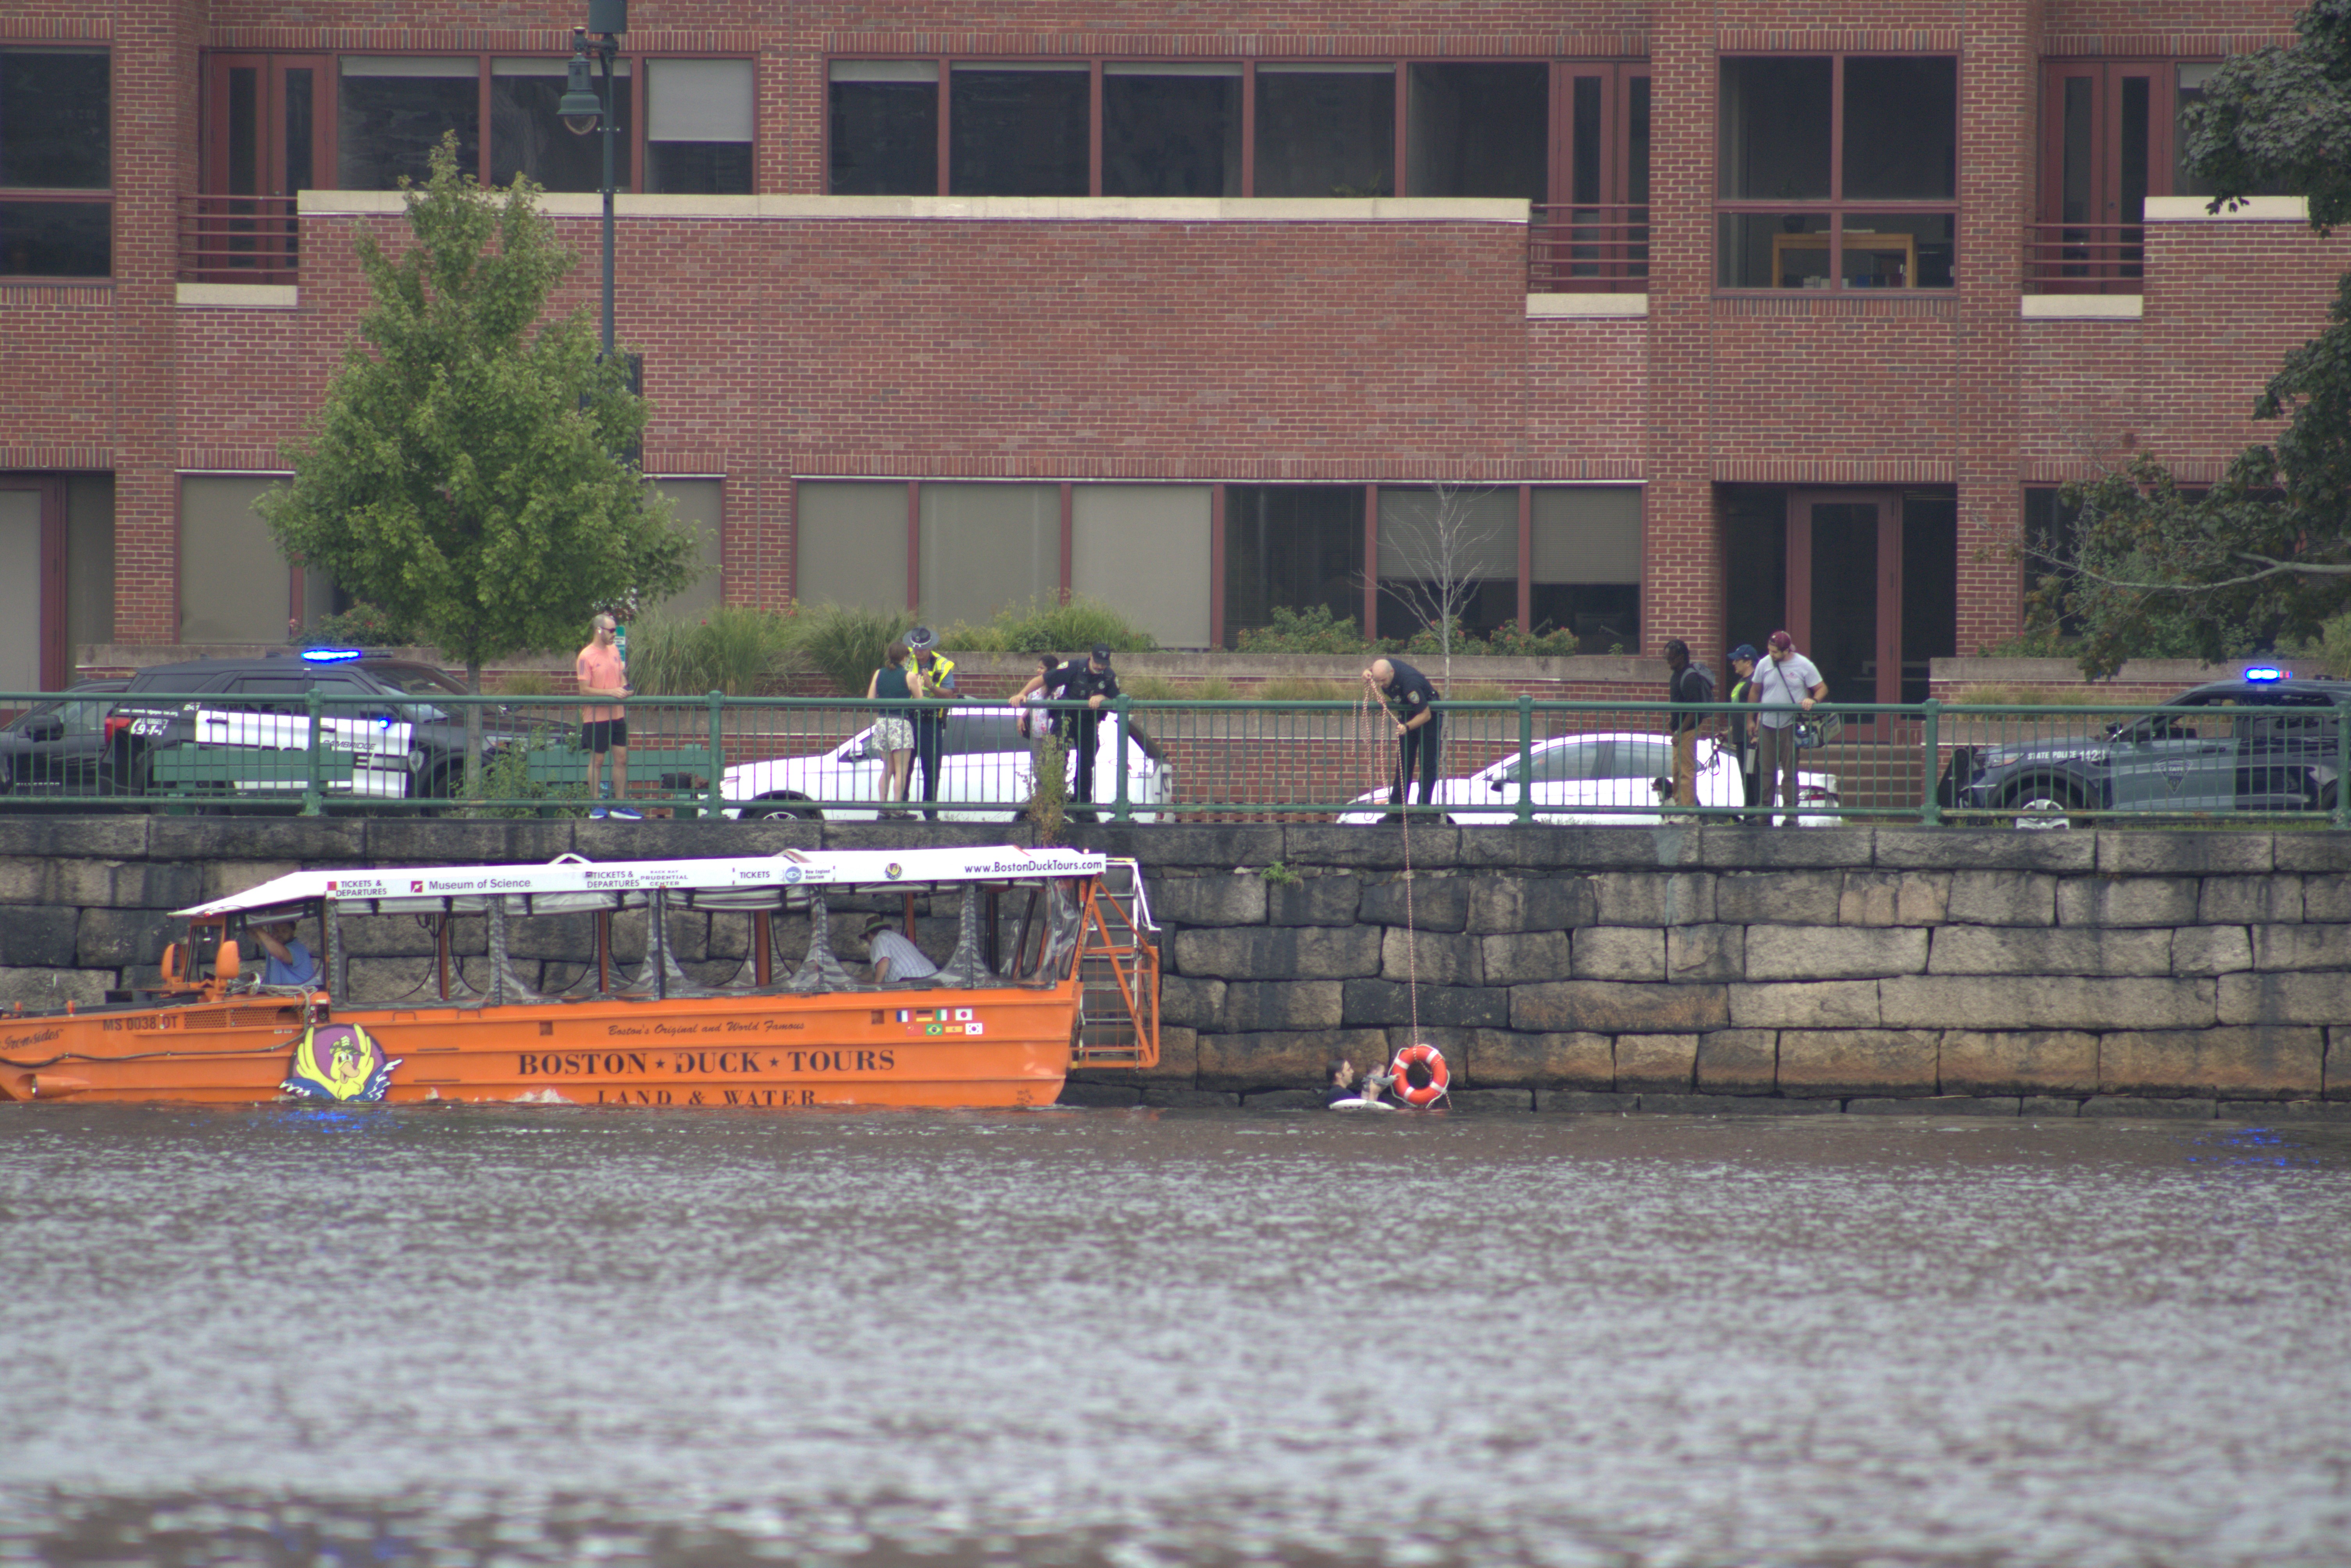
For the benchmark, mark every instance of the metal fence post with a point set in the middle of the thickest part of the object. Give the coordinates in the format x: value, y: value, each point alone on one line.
x: 2343, y: 768
x: 1118, y: 813
x: 712, y: 807
x: 313, y: 790
x: 1930, y: 809
x: 1526, y: 759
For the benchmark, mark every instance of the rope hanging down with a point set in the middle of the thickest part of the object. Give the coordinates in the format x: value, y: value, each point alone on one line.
x: 1382, y: 765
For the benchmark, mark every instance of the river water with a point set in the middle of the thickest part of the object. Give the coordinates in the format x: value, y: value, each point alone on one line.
x: 543, y: 1335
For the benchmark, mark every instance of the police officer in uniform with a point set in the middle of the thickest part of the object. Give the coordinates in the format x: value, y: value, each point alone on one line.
x: 930, y: 719
x: 1094, y: 683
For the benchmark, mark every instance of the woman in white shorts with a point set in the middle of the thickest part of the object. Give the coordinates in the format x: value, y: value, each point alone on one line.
x: 892, y: 690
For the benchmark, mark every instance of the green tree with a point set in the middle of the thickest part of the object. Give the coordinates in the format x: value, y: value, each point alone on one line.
x: 462, y: 474
x: 2267, y: 549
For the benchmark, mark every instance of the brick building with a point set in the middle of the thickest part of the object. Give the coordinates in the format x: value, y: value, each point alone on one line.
x: 1702, y: 318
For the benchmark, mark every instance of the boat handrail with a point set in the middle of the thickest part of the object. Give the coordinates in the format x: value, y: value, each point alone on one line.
x: 736, y: 879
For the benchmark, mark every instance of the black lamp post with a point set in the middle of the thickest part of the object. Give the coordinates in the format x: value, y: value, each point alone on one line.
x: 583, y: 109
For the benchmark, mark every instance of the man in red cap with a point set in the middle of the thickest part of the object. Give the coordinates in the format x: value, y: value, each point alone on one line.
x: 1785, y: 688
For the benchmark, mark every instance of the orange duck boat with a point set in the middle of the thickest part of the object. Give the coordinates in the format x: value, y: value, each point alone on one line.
x: 1053, y: 966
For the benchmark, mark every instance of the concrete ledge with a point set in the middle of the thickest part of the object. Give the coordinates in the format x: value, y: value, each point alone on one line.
x: 2083, y: 306
x: 2251, y: 209
x: 1586, y: 307
x: 982, y: 209
x: 238, y: 296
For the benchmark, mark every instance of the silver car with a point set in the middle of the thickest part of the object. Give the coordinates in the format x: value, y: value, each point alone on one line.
x: 1577, y: 776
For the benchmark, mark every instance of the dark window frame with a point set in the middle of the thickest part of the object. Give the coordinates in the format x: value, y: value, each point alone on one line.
x: 69, y: 196
x: 213, y: 110
x: 1836, y: 207
x: 1618, y: 73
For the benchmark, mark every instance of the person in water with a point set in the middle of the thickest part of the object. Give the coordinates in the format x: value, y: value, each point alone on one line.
x: 1345, y: 1089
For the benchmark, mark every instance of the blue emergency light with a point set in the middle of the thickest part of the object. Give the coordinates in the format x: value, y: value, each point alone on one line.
x: 2268, y: 673
x: 332, y: 655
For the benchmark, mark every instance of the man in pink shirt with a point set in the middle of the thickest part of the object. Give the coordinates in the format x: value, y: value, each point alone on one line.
x: 605, y: 727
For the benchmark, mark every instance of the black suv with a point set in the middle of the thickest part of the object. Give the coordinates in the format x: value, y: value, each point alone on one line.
x: 2266, y: 742
x: 252, y: 711
x: 60, y: 748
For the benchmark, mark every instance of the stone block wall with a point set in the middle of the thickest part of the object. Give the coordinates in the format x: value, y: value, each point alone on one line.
x: 1703, y: 968
x: 1683, y: 968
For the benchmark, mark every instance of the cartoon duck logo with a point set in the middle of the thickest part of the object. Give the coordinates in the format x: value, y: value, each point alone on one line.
x: 339, y: 1061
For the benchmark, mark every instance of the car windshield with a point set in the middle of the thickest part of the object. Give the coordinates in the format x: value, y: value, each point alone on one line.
x: 82, y: 715
x: 2193, y: 719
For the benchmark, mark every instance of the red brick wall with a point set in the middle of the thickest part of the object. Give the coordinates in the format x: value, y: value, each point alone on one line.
x: 1244, y: 351
x: 2225, y: 302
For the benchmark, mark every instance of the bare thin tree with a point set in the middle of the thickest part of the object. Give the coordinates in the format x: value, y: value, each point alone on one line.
x: 1444, y: 557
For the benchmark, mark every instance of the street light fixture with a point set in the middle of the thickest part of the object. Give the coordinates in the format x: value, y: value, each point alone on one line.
x: 582, y: 111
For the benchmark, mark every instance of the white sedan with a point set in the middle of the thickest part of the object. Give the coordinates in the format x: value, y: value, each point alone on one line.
x: 985, y: 768
x: 1574, y: 774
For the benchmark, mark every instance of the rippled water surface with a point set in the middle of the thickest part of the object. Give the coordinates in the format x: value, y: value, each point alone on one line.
x: 514, y: 1337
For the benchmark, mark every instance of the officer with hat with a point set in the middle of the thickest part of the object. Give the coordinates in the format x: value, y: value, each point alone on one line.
x: 930, y: 720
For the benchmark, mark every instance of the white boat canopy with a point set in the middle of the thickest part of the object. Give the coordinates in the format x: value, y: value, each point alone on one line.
x: 570, y: 884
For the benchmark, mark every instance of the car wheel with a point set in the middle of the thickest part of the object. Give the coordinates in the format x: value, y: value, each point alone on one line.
x: 2041, y: 806
x: 763, y: 809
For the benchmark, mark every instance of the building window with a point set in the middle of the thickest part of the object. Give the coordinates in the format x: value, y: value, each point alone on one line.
x: 234, y: 586
x: 1837, y: 171
x: 1153, y: 128
x: 1326, y: 130
x: 986, y: 547
x: 1584, y: 549
x: 1466, y: 129
x: 1171, y: 130
x: 1293, y: 547
x: 698, y: 140
x: 56, y: 164
x: 1448, y: 545
x: 849, y: 543
x: 1019, y: 130
x: 885, y: 127
x: 527, y: 138
x: 392, y: 111
x: 368, y: 120
x: 1143, y: 549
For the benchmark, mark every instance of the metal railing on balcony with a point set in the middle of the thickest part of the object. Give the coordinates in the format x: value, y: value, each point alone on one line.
x: 238, y: 239
x: 1588, y: 249
x: 1512, y: 762
x: 2084, y: 259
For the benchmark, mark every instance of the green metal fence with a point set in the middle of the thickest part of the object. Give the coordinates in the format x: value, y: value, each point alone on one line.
x: 1509, y: 762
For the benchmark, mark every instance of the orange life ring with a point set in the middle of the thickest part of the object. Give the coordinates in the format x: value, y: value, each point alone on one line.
x: 1429, y: 1059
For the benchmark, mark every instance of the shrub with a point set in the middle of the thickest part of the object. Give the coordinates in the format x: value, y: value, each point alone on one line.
x: 1482, y: 692
x: 733, y: 649
x: 1214, y: 689
x: 2009, y: 694
x: 846, y: 642
x: 1313, y: 630
x: 1546, y: 642
x: 1049, y: 800
x: 507, y: 777
x: 527, y: 684
x: 1151, y: 689
x: 1290, y: 690
x: 1048, y: 628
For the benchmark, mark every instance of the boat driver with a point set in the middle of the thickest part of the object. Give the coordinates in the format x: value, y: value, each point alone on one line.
x: 291, y: 963
x: 894, y: 955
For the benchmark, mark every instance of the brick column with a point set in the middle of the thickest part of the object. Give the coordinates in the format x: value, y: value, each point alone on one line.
x: 1999, y: 89
x: 1681, y: 554
x: 155, y: 52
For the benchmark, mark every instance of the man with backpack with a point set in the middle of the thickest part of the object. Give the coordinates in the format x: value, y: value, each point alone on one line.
x: 1690, y: 684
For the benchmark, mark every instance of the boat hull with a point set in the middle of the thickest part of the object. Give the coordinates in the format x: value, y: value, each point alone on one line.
x: 936, y: 1049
